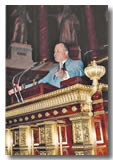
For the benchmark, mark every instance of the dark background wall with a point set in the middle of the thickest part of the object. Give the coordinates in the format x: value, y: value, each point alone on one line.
x: 100, y: 22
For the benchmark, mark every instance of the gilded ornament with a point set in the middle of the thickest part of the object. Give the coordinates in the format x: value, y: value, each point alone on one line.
x: 41, y: 135
x: 10, y: 121
x: 26, y: 118
x: 47, y: 114
x: 33, y: 117
x: 48, y: 133
x: 20, y: 119
x: 90, y: 114
x: 55, y: 112
x: 15, y: 120
x: 94, y: 72
x: 64, y: 110
x: 85, y: 107
x: 39, y: 115
x: 74, y: 108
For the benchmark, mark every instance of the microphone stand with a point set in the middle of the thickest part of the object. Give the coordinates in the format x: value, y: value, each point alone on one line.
x: 15, y: 86
x: 26, y: 70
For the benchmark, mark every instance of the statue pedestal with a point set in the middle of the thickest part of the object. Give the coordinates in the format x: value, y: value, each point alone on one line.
x: 21, y: 56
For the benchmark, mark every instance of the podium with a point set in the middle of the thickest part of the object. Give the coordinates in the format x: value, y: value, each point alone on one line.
x: 58, y: 121
x: 40, y: 89
x: 34, y: 91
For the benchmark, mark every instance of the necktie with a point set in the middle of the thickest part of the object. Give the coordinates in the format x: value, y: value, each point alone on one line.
x: 64, y: 67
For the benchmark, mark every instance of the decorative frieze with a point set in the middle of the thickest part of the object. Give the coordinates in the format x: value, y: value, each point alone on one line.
x: 58, y: 112
x: 48, y: 138
x: 71, y: 95
x: 22, y: 136
x: 48, y: 133
x: 86, y: 132
x: 41, y: 135
x: 82, y: 131
x: 77, y: 132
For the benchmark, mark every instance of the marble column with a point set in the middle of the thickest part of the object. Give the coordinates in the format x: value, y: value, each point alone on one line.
x: 44, y: 50
x: 91, y: 30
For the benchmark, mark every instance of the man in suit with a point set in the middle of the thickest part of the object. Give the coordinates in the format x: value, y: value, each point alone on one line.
x: 66, y: 68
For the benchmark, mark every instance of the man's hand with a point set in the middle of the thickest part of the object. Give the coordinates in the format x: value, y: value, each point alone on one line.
x: 61, y: 73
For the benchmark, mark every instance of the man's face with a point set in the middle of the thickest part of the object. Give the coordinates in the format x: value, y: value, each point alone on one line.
x: 60, y: 53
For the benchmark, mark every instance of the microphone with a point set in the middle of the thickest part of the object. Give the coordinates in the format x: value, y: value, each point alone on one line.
x: 95, y: 50
x: 16, y: 87
x: 37, y: 64
x: 13, y: 82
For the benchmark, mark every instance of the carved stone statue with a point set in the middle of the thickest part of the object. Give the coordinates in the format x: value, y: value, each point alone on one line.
x: 21, y: 18
x: 69, y: 26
